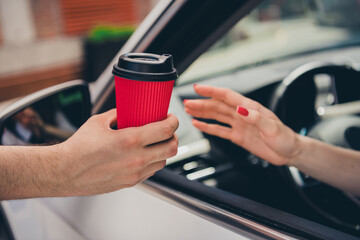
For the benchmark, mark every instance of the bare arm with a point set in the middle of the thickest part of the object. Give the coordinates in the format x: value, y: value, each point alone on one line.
x: 336, y: 166
x: 96, y: 159
x: 259, y: 131
x: 29, y: 171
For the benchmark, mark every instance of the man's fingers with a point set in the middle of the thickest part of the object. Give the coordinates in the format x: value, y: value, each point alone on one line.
x: 213, y: 129
x: 144, y: 174
x: 157, y: 131
x: 152, y: 168
x: 162, y: 150
x: 146, y: 177
x: 109, y: 117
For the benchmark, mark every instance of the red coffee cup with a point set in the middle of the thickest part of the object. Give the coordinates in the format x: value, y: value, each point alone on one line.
x: 143, y: 86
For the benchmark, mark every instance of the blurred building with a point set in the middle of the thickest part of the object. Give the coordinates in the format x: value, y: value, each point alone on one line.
x: 41, y: 41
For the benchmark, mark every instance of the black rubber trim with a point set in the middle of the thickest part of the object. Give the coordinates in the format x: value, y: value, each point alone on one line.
x: 5, y: 230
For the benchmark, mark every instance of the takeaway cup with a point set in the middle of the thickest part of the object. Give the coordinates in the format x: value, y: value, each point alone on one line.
x: 143, y: 86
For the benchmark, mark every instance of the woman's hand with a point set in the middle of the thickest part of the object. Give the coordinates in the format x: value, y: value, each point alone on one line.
x: 258, y: 130
x: 252, y: 126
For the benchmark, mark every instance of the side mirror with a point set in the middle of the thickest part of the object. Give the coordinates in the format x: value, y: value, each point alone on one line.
x: 46, y: 117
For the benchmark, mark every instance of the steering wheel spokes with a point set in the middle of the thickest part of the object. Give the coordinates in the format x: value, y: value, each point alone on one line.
x: 337, y: 110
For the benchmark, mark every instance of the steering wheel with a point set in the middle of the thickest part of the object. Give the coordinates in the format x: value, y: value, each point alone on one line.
x: 321, y: 100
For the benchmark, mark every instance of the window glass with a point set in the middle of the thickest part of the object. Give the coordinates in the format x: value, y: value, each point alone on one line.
x: 278, y: 29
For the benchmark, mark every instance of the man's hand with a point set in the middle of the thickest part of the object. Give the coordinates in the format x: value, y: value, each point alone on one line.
x: 98, y: 159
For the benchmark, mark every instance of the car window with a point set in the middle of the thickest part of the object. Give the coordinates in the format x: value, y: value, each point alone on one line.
x: 278, y: 29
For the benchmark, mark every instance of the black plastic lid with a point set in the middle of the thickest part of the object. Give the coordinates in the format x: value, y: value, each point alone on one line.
x: 145, y: 67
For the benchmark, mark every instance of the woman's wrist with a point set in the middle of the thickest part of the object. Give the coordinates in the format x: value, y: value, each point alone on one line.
x: 302, y: 146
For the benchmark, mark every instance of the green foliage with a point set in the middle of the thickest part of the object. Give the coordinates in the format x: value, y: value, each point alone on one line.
x: 102, y: 33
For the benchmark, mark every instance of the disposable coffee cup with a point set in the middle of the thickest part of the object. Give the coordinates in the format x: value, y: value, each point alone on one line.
x: 143, y: 86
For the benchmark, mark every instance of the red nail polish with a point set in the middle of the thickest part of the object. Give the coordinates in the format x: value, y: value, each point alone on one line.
x: 242, y: 111
x: 195, y: 85
x: 185, y: 100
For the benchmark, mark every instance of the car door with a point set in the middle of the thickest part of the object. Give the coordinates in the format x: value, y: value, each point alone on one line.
x: 186, y: 30
x: 167, y: 206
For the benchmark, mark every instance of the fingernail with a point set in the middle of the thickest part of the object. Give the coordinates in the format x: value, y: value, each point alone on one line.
x: 185, y: 100
x: 195, y: 85
x: 194, y: 121
x: 242, y: 111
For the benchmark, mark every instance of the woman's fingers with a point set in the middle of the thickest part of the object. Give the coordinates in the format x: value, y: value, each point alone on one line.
x: 210, y: 115
x: 253, y: 145
x: 269, y: 127
x: 232, y: 98
x: 223, y: 94
x: 213, y: 129
x: 210, y: 109
x: 209, y: 105
x: 278, y: 137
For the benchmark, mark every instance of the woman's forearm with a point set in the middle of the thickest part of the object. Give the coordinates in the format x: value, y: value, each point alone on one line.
x: 336, y: 166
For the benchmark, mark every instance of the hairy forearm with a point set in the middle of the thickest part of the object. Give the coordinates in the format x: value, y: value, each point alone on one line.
x: 336, y: 166
x: 27, y: 172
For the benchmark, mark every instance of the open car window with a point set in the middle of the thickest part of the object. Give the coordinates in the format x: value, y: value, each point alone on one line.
x: 278, y: 29
x: 259, y: 45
